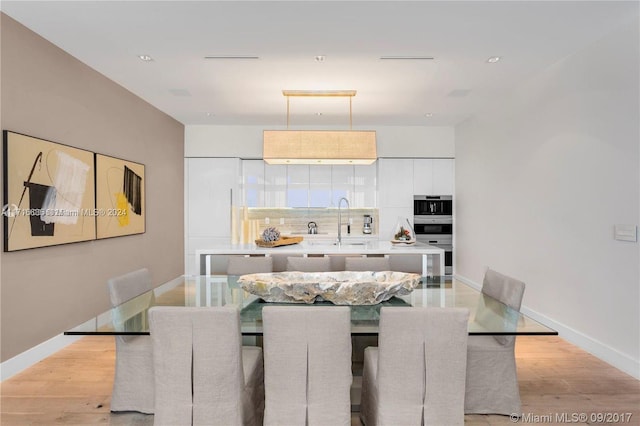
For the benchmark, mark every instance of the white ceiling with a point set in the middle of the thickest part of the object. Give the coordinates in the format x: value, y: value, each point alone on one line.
x: 286, y: 36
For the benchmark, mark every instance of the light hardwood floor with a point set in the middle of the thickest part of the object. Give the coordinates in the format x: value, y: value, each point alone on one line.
x: 73, y: 387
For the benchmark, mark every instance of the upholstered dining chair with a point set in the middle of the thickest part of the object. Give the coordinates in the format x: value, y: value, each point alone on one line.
x: 203, y: 376
x: 417, y: 374
x: 492, y: 381
x: 375, y: 264
x: 133, y: 380
x: 309, y: 264
x: 307, y: 361
x: 240, y: 265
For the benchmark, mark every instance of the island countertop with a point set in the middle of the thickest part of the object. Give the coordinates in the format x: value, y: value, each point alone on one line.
x: 315, y: 246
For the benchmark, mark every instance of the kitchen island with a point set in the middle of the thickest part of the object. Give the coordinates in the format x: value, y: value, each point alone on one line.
x: 419, y: 258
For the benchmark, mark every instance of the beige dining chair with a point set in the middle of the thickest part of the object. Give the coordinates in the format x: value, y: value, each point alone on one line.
x: 133, y: 380
x: 309, y: 264
x: 492, y: 381
x: 203, y: 376
x: 417, y: 374
x: 307, y: 361
x: 375, y: 264
x: 240, y: 265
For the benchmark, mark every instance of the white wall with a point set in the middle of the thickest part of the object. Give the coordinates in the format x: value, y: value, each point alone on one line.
x: 540, y: 185
x: 246, y: 141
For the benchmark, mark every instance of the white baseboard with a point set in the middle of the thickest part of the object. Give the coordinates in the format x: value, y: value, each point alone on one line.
x: 606, y: 353
x: 31, y: 356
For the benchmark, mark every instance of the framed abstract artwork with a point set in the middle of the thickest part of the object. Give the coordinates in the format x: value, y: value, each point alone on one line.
x: 49, y: 193
x: 120, y: 202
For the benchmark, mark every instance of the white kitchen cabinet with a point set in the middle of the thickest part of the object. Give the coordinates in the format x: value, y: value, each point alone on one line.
x: 433, y: 176
x: 423, y: 176
x: 341, y: 184
x: 298, y: 185
x: 395, y: 182
x: 395, y: 185
x: 275, y: 185
x: 443, y: 176
x: 253, y: 183
x: 365, y: 186
x: 209, y: 185
x: 210, y: 182
x: 319, y: 186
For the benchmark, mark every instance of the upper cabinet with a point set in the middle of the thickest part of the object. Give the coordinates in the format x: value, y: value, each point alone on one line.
x: 365, y: 186
x: 266, y: 185
x: 443, y: 176
x: 253, y: 182
x: 395, y: 182
x: 433, y: 176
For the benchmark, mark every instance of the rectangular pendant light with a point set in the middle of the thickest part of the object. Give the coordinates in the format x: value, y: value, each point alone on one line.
x: 319, y: 147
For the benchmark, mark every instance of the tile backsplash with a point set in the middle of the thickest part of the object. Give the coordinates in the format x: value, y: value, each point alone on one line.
x: 249, y: 222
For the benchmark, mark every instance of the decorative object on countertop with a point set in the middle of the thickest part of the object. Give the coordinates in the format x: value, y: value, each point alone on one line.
x: 339, y: 288
x: 271, y: 234
x: 312, y: 228
x: 403, y: 232
x: 283, y: 241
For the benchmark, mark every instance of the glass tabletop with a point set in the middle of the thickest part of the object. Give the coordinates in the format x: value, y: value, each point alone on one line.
x: 487, y: 315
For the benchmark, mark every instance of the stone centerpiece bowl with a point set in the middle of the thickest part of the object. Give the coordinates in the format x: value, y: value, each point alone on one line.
x: 340, y: 288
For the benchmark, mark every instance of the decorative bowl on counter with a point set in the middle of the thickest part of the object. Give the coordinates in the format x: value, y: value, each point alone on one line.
x: 340, y: 288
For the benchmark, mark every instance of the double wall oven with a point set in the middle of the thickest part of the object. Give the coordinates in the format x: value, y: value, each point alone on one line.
x: 433, y: 224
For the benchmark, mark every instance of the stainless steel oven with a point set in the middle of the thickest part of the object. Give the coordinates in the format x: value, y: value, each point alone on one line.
x: 433, y: 224
x: 433, y: 206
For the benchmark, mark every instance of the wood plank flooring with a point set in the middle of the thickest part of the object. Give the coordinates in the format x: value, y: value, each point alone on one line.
x: 73, y: 387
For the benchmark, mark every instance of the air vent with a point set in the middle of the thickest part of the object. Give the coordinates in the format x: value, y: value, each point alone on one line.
x: 408, y: 58
x: 231, y: 57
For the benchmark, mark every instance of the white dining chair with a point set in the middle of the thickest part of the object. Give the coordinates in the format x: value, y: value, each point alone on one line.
x: 240, y: 265
x: 133, y: 380
x: 492, y: 381
x: 309, y: 264
x: 203, y: 376
x: 307, y: 361
x: 417, y: 374
x: 375, y: 264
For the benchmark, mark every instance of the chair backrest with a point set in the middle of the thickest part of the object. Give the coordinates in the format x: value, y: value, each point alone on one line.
x: 422, y: 365
x: 375, y: 264
x: 131, y: 315
x: 503, y: 288
x: 506, y: 290
x: 307, y: 360
x: 240, y: 265
x: 128, y: 286
x: 207, y: 342
x: 309, y: 264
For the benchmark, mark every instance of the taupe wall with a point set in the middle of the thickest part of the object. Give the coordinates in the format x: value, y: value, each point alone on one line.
x: 49, y: 94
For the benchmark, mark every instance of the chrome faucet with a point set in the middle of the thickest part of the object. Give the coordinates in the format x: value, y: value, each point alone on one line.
x: 340, y: 218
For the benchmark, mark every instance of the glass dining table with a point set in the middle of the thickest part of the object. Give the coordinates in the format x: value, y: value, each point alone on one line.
x: 487, y: 315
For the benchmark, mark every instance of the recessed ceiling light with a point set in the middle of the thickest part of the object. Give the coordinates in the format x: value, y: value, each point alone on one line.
x: 146, y: 58
x: 429, y: 114
x: 414, y: 58
x: 232, y: 57
x: 320, y: 58
x: 494, y: 59
x: 210, y: 114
